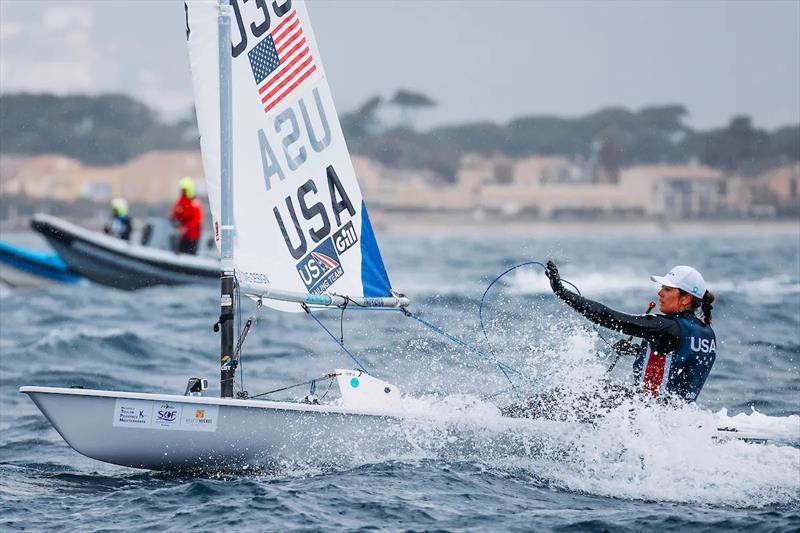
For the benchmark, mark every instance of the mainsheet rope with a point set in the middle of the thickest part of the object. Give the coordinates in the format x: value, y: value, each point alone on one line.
x: 504, y: 368
x: 495, y: 280
x: 358, y: 363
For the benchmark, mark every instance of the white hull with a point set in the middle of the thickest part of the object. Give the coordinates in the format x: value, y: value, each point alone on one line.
x: 237, y: 433
x: 172, y: 432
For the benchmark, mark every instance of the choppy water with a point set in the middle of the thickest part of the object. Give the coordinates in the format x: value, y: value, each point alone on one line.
x: 653, y: 470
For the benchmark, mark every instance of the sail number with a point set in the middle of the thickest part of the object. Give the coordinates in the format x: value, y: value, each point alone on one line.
x: 316, y: 213
x: 292, y: 154
x: 261, y: 21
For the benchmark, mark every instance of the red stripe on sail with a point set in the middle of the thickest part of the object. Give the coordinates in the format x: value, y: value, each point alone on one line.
x: 282, y: 61
x: 291, y: 40
x: 280, y: 74
x: 325, y: 260
x: 290, y: 89
x: 284, y: 22
x: 292, y: 26
x: 287, y: 79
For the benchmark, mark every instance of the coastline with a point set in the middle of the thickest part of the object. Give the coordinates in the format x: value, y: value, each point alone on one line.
x: 441, y: 224
x: 451, y: 224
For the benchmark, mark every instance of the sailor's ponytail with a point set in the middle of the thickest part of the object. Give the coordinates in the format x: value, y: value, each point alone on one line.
x: 706, y: 307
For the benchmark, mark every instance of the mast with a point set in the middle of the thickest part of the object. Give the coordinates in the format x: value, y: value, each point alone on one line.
x: 227, y: 364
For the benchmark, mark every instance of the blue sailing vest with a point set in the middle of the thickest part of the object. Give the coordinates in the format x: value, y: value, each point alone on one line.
x: 682, y: 372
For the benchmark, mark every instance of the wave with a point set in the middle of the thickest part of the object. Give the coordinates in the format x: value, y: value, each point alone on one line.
x: 113, y: 346
x: 654, y: 454
x: 66, y: 378
x: 635, y: 452
x: 783, y: 429
x: 534, y: 282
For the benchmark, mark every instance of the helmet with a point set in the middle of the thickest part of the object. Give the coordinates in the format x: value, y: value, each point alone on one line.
x: 187, y: 186
x: 120, y: 205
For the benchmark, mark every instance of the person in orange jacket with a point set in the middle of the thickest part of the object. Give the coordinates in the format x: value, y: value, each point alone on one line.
x: 188, y: 212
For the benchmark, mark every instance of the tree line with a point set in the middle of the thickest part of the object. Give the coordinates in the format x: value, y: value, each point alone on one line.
x: 98, y: 130
x: 110, y: 129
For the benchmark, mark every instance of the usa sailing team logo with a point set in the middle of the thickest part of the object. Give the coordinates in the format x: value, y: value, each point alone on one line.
x: 320, y: 268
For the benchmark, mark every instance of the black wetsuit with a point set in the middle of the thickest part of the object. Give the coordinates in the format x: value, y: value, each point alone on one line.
x: 674, y: 361
x: 662, y: 331
x: 678, y: 353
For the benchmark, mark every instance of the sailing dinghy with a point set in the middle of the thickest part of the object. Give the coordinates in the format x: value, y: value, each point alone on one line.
x: 277, y: 165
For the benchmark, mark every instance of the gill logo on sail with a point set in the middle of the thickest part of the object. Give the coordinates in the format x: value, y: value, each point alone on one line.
x: 345, y: 237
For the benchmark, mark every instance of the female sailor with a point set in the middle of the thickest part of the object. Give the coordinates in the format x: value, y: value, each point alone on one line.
x: 679, y: 345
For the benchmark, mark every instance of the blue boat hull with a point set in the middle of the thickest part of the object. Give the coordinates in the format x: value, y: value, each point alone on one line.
x: 21, y: 266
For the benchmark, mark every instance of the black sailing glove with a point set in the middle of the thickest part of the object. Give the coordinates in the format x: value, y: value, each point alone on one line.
x: 555, y: 279
x: 626, y: 347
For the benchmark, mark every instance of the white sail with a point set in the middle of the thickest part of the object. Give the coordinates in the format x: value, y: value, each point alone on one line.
x: 301, y: 222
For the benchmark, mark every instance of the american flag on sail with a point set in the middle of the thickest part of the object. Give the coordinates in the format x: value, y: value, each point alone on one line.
x: 281, y: 61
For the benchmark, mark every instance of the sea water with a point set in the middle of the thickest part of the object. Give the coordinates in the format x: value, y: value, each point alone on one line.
x: 635, y: 469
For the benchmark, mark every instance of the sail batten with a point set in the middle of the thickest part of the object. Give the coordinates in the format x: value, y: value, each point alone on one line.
x: 301, y: 224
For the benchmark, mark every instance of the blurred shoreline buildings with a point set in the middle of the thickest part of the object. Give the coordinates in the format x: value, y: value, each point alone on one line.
x: 535, y: 188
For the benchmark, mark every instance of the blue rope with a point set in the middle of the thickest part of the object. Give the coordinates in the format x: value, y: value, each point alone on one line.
x: 337, y: 341
x: 504, y: 368
x: 495, y: 280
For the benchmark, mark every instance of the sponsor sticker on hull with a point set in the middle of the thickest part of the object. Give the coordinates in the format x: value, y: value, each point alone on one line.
x: 133, y: 413
x: 165, y: 415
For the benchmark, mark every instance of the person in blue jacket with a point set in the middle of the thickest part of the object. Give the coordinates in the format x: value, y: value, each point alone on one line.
x: 119, y: 225
x: 679, y: 346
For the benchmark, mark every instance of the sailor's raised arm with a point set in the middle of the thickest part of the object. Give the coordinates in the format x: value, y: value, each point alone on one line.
x: 650, y: 327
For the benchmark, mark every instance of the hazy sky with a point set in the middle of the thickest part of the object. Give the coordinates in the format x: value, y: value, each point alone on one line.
x: 480, y: 60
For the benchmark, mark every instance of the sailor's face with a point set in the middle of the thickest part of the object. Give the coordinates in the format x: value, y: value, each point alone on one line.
x: 670, y: 300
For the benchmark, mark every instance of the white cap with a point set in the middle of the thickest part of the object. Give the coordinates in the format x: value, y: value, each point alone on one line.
x: 683, y: 277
